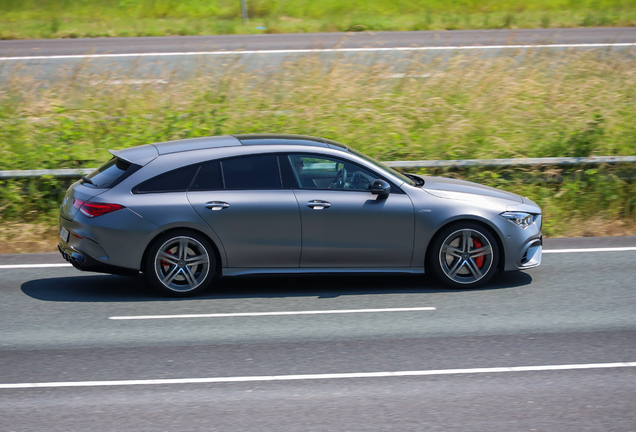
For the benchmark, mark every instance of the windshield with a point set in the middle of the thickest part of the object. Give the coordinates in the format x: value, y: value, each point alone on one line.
x: 383, y: 167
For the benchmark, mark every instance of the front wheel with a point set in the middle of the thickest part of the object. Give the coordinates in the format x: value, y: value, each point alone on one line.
x: 180, y: 263
x: 464, y: 255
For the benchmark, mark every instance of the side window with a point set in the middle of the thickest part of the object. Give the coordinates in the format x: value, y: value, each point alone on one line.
x: 252, y: 172
x: 178, y: 180
x: 316, y: 172
x: 208, y: 178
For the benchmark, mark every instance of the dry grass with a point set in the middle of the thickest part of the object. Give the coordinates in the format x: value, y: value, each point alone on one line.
x: 599, y: 227
x: 18, y: 237
x: 537, y: 104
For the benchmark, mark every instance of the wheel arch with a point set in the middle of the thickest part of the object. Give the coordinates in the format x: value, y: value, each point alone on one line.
x: 217, y: 254
x: 492, y: 229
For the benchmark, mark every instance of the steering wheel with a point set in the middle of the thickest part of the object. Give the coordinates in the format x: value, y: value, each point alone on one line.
x: 340, y: 180
x: 360, y: 182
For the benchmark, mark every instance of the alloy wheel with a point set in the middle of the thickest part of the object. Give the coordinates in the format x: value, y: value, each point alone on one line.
x: 182, y: 264
x: 466, y: 256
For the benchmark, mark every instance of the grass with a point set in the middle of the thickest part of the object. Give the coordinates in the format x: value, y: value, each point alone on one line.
x: 27, y: 19
x: 16, y: 237
x: 469, y: 107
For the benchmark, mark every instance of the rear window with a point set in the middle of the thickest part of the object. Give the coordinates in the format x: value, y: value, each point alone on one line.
x: 110, y: 174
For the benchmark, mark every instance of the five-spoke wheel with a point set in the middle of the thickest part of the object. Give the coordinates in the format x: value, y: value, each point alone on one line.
x: 180, y: 263
x: 464, y: 255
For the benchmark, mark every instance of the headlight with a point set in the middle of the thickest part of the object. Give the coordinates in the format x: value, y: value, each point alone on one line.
x: 524, y: 220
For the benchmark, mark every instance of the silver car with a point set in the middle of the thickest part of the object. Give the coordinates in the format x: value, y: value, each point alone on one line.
x: 184, y: 212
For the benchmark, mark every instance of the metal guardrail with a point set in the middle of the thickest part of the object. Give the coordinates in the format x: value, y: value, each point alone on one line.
x: 41, y: 173
x: 554, y: 161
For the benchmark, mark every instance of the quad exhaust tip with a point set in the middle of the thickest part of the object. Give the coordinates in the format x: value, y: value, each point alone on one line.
x: 75, y: 258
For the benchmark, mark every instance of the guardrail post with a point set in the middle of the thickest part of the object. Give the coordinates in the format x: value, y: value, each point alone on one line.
x: 244, y: 11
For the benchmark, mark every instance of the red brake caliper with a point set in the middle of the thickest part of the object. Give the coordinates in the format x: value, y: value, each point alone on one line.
x: 479, y: 260
x: 165, y: 263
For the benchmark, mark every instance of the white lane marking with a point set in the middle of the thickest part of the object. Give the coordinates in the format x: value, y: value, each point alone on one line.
x: 310, y: 51
x: 616, y: 249
x: 254, y: 314
x: 32, y: 266
x: 319, y: 376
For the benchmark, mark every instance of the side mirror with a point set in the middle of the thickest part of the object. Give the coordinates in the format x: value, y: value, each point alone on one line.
x: 380, y: 187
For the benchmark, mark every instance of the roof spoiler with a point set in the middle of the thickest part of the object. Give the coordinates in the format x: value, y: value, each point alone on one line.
x: 139, y: 155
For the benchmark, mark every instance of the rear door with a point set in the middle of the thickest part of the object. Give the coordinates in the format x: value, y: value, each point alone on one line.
x: 243, y: 201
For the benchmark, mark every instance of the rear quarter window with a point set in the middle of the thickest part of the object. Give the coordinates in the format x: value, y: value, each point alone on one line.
x: 178, y: 180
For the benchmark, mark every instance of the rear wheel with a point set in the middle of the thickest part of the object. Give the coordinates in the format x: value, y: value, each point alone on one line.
x: 464, y: 255
x: 181, y: 263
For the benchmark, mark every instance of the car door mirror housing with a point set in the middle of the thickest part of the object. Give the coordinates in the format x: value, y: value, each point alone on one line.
x: 380, y: 187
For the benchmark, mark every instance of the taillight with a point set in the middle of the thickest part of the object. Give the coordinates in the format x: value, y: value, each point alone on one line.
x: 93, y: 209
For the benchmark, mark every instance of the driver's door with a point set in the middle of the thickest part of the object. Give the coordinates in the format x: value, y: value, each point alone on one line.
x: 343, y: 223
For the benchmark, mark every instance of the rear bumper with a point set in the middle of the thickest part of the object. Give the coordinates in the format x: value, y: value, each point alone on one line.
x: 84, y: 262
x: 116, y: 239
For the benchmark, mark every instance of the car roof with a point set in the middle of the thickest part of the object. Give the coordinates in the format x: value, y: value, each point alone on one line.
x: 145, y: 153
x: 288, y: 139
x: 179, y: 146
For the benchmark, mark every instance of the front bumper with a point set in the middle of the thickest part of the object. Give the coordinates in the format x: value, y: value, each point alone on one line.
x: 530, y: 255
x: 523, y: 248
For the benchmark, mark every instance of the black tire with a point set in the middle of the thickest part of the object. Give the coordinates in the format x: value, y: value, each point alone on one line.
x: 463, y: 255
x: 180, y: 263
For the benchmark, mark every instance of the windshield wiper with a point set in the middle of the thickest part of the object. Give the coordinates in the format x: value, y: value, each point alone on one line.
x: 87, y: 180
x: 419, y: 181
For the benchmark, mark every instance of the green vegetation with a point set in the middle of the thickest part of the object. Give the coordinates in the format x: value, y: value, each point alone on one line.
x: 544, y: 104
x: 83, y: 18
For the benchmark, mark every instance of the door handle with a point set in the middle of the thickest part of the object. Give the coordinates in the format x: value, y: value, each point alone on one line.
x: 318, y: 205
x: 216, y: 205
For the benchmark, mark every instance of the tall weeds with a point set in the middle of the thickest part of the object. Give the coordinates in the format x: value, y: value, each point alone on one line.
x: 83, y: 18
x: 536, y: 104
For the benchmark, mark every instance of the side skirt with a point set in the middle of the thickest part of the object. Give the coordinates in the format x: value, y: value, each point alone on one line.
x: 244, y: 271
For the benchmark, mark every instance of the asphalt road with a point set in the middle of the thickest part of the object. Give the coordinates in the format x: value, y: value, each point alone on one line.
x: 170, y: 44
x: 578, y: 308
x: 162, y: 57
